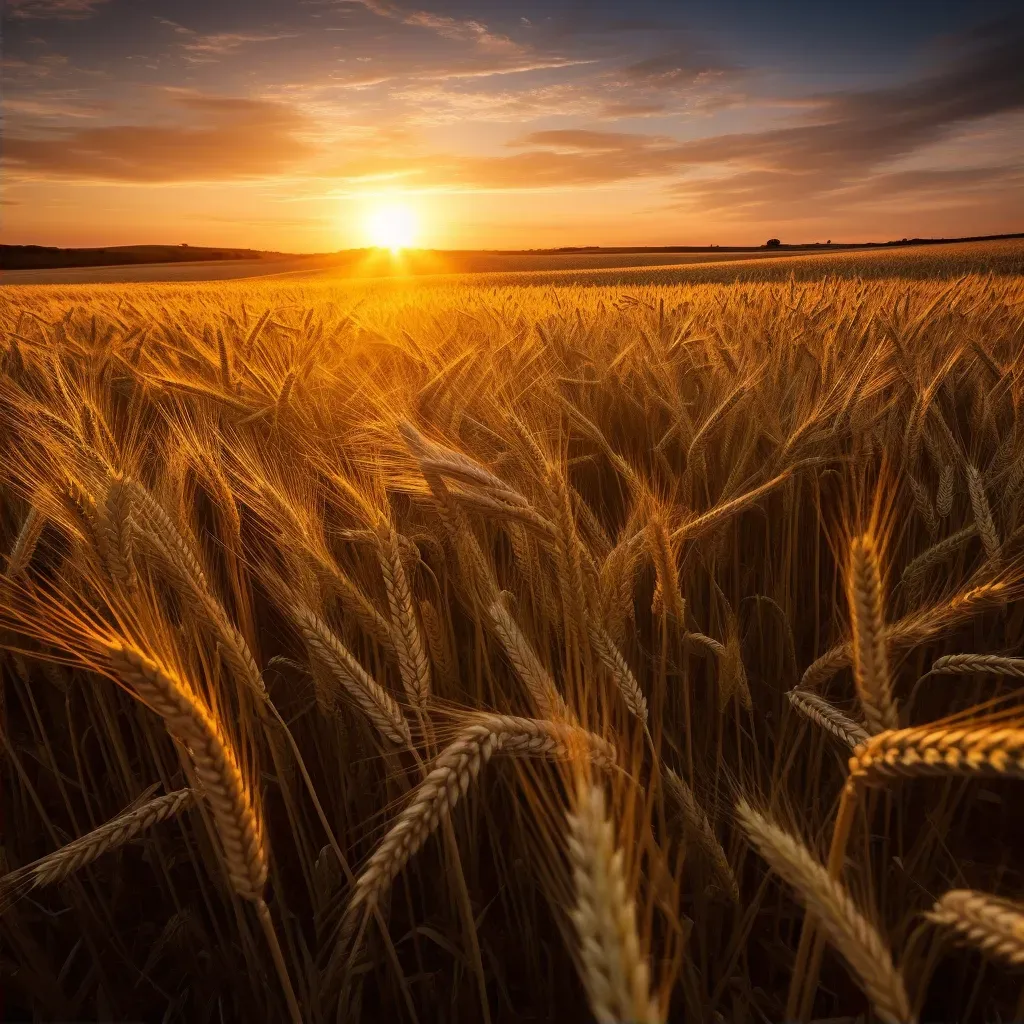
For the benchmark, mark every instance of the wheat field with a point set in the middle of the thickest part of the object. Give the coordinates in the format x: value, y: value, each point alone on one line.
x: 491, y: 650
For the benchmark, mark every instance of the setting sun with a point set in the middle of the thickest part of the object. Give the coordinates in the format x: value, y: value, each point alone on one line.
x: 392, y: 226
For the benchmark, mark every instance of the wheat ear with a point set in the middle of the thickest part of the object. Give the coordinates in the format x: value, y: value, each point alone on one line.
x: 944, y: 494
x: 707, y: 642
x: 936, y: 554
x: 62, y: 863
x: 992, y: 924
x: 25, y: 543
x: 961, y: 664
x: 412, y: 658
x: 983, y: 514
x: 699, y: 829
x: 912, y: 629
x: 667, y: 574
x: 614, y: 970
x: 525, y: 661
x: 235, y: 815
x: 217, y: 767
x: 932, y: 750
x: 831, y: 719
x: 436, y: 641
x: 158, y: 526
x: 870, y: 659
x: 366, y: 693
x: 177, y: 558
x: 850, y: 932
x: 455, y: 769
x: 612, y: 659
x: 114, y: 531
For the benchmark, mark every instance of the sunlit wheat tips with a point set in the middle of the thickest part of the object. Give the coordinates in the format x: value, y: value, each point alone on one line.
x: 854, y: 937
x: 996, y: 749
x: 992, y: 924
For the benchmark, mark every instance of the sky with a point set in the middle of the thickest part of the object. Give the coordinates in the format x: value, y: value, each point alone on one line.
x: 290, y: 124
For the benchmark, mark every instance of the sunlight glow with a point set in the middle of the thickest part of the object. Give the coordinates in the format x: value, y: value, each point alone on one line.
x: 391, y: 226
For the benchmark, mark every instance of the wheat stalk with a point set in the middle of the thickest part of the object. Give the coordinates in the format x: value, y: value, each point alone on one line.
x: 992, y: 924
x: 831, y: 719
x: 707, y: 642
x: 614, y: 970
x: 850, y: 932
x: 156, y: 525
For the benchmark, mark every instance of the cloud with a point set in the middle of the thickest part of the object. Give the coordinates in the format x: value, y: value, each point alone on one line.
x: 613, y: 111
x: 465, y: 29
x: 51, y: 8
x: 228, y: 139
x: 47, y: 66
x: 672, y: 70
x: 219, y: 43
x: 840, y: 142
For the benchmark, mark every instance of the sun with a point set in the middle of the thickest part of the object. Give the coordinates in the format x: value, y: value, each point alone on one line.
x: 391, y: 226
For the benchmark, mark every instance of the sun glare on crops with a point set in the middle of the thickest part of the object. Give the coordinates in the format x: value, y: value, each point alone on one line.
x: 392, y: 226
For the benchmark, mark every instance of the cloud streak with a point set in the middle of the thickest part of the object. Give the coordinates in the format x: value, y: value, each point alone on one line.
x: 43, y: 9
x: 234, y: 138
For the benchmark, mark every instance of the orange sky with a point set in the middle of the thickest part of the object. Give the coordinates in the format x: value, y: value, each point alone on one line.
x: 280, y: 123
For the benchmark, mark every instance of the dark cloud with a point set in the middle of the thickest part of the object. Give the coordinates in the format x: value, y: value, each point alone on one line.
x: 229, y: 138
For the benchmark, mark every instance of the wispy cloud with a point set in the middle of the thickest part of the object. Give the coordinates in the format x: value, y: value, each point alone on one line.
x: 220, y: 43
x: 51, y: 8
x: 466, y: 29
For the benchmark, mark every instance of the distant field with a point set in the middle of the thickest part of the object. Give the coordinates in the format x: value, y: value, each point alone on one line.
x: 1001, y: 257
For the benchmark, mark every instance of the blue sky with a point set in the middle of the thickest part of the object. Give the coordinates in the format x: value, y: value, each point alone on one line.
x: 279, y: 123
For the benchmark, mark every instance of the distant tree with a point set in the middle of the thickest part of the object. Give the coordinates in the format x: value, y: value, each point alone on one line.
x: 184, y: 245
x: 772, y: 243
x: 829, y: 242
